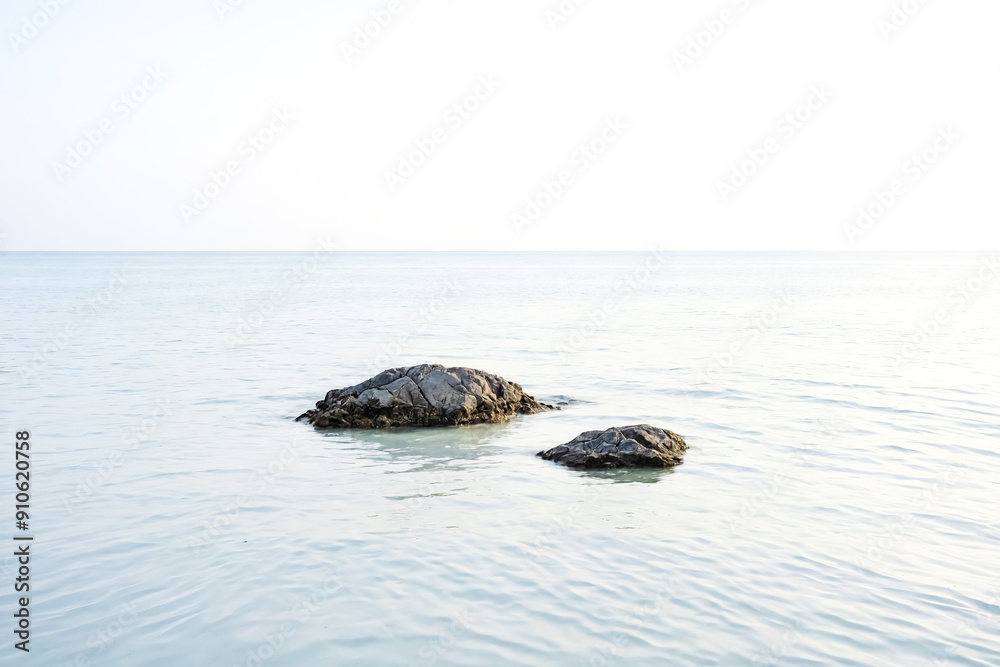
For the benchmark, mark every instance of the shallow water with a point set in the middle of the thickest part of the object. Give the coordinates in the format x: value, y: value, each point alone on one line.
x: 834, y: 508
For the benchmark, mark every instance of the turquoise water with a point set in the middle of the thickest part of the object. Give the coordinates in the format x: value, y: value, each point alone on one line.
x: 838, y: 504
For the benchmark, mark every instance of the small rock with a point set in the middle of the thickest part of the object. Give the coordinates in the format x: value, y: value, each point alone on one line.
x: 622, y: 447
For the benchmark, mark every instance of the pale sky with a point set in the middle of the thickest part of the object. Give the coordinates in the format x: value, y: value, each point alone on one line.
x: 121, y: 118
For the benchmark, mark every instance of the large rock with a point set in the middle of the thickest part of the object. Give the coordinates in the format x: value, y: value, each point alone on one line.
x: 625, y: 447
x: 426, y: 395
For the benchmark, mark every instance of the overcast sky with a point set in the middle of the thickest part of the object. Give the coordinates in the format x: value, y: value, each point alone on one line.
x: 253, y: 125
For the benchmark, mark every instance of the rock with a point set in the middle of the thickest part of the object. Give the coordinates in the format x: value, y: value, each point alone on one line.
x: 624, y: 447
x: 426, y: 395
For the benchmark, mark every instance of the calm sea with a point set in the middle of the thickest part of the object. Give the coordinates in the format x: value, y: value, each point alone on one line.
x: 838, y: 504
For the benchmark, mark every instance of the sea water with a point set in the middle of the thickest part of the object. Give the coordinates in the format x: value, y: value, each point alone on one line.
x: 837, y: 506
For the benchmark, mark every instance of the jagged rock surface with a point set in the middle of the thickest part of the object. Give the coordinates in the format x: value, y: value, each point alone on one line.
x: 425, y: 395
x: 622, y: 447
